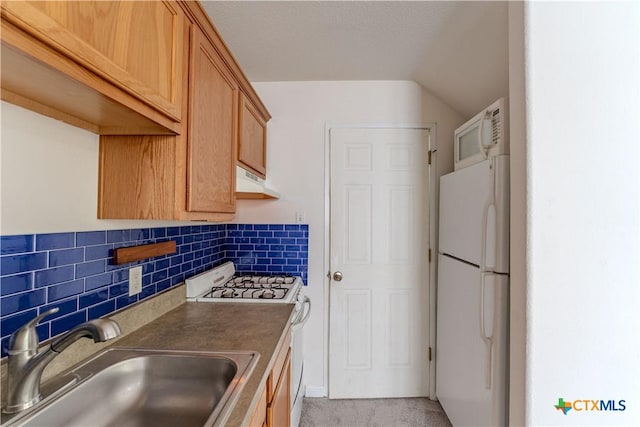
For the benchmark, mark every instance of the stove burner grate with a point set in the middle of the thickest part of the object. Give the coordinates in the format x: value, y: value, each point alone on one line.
x: 253, y: 287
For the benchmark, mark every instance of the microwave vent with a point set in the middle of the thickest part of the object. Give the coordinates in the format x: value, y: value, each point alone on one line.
x: 496, y: 126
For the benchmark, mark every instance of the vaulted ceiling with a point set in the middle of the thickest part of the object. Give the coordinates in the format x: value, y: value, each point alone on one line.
x: 456, y: 50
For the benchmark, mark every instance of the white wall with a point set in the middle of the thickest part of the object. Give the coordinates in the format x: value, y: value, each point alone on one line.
x: 583, y: 297
x: 296, y: 168
x: 49, y: 177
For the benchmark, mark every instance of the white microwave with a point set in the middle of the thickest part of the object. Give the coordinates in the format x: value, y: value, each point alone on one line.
x: 484, y: 136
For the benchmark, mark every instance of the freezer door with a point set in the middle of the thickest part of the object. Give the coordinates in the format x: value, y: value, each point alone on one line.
x: 471, y: 346
x: 474, y: 214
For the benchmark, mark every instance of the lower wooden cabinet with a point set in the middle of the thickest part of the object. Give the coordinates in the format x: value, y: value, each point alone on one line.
x: 274, y: 406
x: 279, y: 409
x: 259, y: 417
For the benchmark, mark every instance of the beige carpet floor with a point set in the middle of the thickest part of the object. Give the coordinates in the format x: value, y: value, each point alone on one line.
x: 320, y: 412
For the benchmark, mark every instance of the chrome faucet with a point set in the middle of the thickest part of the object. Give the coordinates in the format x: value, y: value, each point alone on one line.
x: 26, y: 365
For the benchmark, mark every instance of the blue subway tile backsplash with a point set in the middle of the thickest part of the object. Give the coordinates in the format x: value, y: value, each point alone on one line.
x: 45, y: 242
x: 16, y: 283
x: 16, y: 244
x: 89, y: 238
x: 74, y: 271
x: 21, y: 263
x: 66, y: 257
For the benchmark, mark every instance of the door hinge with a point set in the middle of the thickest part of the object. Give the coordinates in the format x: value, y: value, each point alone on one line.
x: 429, y: 254
x: 429, y: 354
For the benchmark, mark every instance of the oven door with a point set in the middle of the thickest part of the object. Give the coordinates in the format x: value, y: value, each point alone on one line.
x: 297, y: 361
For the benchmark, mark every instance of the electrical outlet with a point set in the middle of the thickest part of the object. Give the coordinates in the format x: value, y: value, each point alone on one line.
x: 300, y: 217
x: 135, y: 280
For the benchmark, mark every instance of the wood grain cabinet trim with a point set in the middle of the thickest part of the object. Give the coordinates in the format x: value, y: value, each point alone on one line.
x: 136, y: 45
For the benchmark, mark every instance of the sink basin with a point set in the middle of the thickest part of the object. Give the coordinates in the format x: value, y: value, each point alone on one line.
x: 137, y: 387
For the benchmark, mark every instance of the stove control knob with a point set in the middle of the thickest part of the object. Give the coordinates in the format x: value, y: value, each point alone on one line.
x: 337, y: 276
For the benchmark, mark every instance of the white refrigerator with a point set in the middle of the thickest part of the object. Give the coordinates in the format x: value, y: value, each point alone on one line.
x: 473, y: 290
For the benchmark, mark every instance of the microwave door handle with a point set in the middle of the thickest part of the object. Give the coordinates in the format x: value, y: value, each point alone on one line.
x: 481, y: 146
x: 484, y: 145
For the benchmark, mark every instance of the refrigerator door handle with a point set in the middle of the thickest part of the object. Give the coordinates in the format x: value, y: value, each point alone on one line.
x: 488, y: 259
x: 487, y: 318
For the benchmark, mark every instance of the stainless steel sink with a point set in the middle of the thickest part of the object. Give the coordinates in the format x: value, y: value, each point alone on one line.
x: 138, y: 387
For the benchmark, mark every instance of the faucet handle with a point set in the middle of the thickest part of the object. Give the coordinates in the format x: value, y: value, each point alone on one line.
x: 26, y: 339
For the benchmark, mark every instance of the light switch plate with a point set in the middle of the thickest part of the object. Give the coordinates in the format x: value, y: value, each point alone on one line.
x: 135, y: 280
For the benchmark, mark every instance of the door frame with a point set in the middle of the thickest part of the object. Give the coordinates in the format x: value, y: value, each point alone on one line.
x: 433, y: 236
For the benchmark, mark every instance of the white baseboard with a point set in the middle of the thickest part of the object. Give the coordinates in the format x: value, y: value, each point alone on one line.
x: 316, y: 391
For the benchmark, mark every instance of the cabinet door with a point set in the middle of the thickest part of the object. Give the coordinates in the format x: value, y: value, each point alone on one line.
x: 137, y: 45
x: 259, y: 417
x: 212, y: 130
x: 252, y: 143
x: 279, y: 365
x: 279, y: 411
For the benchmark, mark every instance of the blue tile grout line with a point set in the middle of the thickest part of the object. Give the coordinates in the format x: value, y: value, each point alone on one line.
x: 75, y: 272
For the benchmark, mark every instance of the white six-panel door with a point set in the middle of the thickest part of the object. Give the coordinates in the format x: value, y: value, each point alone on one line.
x: 379, y: 311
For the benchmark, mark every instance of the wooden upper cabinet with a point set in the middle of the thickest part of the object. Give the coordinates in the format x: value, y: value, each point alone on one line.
x: 135, y: 45
x: 212, y: 129
x: 190, y: 176
x: 252, y: 141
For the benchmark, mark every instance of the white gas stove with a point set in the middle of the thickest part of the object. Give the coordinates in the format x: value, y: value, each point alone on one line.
x: 221, y: 284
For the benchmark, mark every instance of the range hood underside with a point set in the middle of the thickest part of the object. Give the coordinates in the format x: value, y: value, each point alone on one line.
x: 249, y: 186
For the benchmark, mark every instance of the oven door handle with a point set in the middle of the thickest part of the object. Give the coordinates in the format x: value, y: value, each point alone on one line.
x: 304, y: 314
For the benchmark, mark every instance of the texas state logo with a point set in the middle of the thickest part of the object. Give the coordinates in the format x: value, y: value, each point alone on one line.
x: 563, y: 406
x: 582, y: 405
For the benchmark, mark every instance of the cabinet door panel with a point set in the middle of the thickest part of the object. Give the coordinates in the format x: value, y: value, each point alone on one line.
x: 259, y: 417
x: 136, y: 177
x: 213, y: 130
x: 279, y: 366
x: 252, y: 144
x: 279, y: 411
x: 135, y: 44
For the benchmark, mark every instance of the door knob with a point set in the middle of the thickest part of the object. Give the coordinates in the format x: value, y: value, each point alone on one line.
x: 337, y: 276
